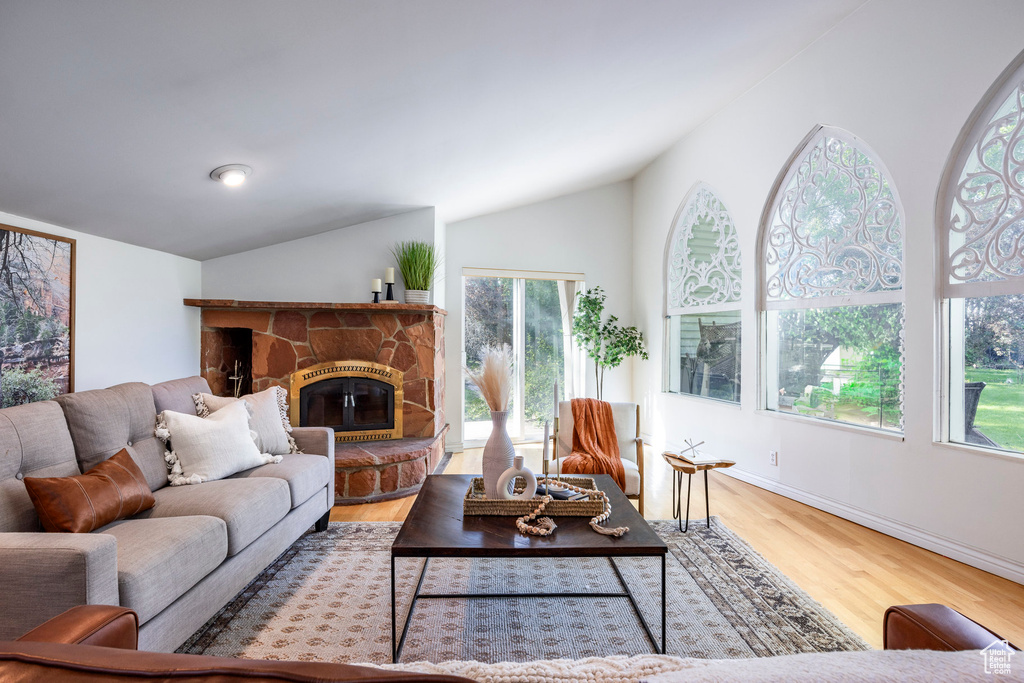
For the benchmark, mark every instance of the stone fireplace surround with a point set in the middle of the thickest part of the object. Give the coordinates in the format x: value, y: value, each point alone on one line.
x: 289, y: 336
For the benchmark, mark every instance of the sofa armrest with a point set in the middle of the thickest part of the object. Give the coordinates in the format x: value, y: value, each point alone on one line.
x: 102, y: 625
x: 318, y: 441
x: 933, y: 627
x: 315, y: 440
x: 44, y: 574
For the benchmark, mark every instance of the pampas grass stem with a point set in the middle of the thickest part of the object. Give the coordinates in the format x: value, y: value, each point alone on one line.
x: 494, y: 378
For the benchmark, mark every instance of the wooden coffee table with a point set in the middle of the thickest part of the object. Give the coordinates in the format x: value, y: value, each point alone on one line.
x: 436, y: 527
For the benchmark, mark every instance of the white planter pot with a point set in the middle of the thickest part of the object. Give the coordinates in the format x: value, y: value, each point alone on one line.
x: 417, y: 296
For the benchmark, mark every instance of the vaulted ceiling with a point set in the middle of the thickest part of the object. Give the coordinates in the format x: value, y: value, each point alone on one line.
x: 114, y: 112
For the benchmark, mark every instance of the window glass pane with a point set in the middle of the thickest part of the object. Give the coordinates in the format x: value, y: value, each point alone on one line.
x: 544, y: 353
x: 705, y: 350
x: 488, y: 324
x: 841, y: 363
x: 993, y: 361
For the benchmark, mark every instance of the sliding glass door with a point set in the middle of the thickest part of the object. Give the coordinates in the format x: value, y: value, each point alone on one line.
x: 533, y: 316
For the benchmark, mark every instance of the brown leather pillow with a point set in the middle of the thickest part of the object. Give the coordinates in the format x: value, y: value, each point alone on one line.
x: 115, y: 489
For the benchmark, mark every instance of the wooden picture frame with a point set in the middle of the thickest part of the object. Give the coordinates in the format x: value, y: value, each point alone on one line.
x: 37, y: 315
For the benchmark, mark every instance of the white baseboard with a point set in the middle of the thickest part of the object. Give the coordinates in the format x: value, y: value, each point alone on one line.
x: 454, y: 446
x: 975, y: 557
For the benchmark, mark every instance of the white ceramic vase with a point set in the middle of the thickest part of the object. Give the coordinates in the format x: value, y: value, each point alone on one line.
x: 417, y: 296
x: 498, y: 453
x: 507, y: 481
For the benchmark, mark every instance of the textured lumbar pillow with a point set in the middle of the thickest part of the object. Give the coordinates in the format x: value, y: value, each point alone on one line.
x: 269, y: 418
x: 115, y: 489
x: 205, y: 449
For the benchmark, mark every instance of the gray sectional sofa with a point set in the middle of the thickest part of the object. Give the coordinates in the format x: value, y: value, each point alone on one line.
x: 175, y: 564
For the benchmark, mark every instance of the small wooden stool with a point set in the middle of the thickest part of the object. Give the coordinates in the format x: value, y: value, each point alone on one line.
x: 681, y: 467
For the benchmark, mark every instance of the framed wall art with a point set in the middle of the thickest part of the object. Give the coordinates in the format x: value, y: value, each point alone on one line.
x: 37, y: 315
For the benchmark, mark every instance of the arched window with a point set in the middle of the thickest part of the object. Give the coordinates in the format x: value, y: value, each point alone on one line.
x: 980, y: 214
x: 831, y: 285
x: 702, y: 299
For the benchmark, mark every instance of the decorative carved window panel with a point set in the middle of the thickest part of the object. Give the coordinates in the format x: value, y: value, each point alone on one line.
x: 981, y: 202
x: 703, y: 255
x: 836, y: 228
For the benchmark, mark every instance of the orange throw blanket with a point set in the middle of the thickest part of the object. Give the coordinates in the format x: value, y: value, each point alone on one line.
x: 595, y: 450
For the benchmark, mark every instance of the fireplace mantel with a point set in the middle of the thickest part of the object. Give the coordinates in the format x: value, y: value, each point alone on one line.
x: 307, y: 305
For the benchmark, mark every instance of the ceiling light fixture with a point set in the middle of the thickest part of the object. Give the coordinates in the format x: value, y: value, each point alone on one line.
x: 232, y: 174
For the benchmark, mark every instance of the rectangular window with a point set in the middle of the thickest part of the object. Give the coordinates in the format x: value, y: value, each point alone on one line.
x: 704, y: 355
x: 841, y: 363
x: 987, y: 371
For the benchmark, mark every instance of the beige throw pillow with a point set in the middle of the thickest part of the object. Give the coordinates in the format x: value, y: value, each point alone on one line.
x: 211, y: 448
x: 269, y: 418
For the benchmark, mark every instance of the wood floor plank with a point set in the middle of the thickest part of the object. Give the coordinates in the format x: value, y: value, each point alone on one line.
x: 853, y: 571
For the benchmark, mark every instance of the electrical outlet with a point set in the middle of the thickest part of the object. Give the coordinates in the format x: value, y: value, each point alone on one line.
x: 773, y: 458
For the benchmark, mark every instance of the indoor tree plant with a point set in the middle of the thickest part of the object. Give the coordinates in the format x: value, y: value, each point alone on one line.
x: 418, y: 263
x: 604, y: 341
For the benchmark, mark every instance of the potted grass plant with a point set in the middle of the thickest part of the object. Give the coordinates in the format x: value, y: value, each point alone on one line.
x: 494, y: 382
x: 418, y: 263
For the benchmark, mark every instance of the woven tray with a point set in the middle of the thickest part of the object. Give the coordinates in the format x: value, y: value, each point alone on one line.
x: 476, y: 503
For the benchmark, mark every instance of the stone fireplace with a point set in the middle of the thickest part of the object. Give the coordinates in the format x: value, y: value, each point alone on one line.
x: 297, y: 344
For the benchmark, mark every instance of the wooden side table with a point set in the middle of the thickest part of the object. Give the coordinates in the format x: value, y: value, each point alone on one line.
x: 679, y: 468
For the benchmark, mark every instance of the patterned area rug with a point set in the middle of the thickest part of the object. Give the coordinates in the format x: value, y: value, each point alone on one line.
x: 328, y: 599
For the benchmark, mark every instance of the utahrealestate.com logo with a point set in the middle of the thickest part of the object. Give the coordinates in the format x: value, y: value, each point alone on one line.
x: 997, y: 657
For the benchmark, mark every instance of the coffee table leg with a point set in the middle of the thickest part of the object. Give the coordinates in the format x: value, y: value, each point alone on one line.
x: 664, y: 595
x: 394, y: 625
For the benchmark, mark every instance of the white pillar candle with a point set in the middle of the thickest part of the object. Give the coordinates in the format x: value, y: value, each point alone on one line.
x: 389, y: 276
x: 375, y: 285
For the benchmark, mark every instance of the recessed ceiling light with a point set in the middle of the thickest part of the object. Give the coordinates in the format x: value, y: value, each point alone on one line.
x: 232, y: 174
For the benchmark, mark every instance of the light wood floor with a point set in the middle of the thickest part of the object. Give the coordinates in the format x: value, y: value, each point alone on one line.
x: 853, y: 571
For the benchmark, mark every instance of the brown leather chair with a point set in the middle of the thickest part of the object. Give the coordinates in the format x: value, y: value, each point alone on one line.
x: 934, y: 627
x: 94, y: 643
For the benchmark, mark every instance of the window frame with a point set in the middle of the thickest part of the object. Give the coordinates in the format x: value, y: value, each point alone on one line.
x: 733, y: 303
x: 763, y: 306
x: 1009, y: 80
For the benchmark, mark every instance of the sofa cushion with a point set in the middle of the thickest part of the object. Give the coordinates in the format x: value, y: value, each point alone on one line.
x: 207, y: 449
x: 176, y: 394
x: 114, y: 489
x: 248, y: 506
x: 104, y: 421
x: 269, y: 417
x: 159, y: 559
x: 305, y: 474
x: 34, y: 441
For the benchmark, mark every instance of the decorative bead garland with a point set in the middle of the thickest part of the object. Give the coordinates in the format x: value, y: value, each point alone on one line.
x: 531, y: 525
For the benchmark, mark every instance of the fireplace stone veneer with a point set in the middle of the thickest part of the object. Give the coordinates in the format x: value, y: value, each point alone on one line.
x: 291, y: 336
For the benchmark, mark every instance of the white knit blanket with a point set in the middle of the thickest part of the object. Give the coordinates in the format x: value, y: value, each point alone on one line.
x: 848, y: 667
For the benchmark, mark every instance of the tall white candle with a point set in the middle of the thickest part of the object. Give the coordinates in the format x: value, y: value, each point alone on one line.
x: 375, y: 285
x: 389, y: 276
x: 556, y: 398
x: 547, y: 441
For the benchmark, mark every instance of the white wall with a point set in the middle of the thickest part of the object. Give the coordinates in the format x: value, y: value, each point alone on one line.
x: 130, y: 322
x: 587, y: 232
x: 903, y: 75
x: 335, y: 266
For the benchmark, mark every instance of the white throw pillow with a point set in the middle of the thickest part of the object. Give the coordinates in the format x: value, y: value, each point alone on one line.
x: 211, y: 448
x: 269, y: 417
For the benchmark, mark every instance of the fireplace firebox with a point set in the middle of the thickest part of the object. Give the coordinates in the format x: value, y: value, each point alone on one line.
x: 361, y: 401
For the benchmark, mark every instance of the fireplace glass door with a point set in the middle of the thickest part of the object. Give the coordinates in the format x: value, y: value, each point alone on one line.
x: 348, y: 404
